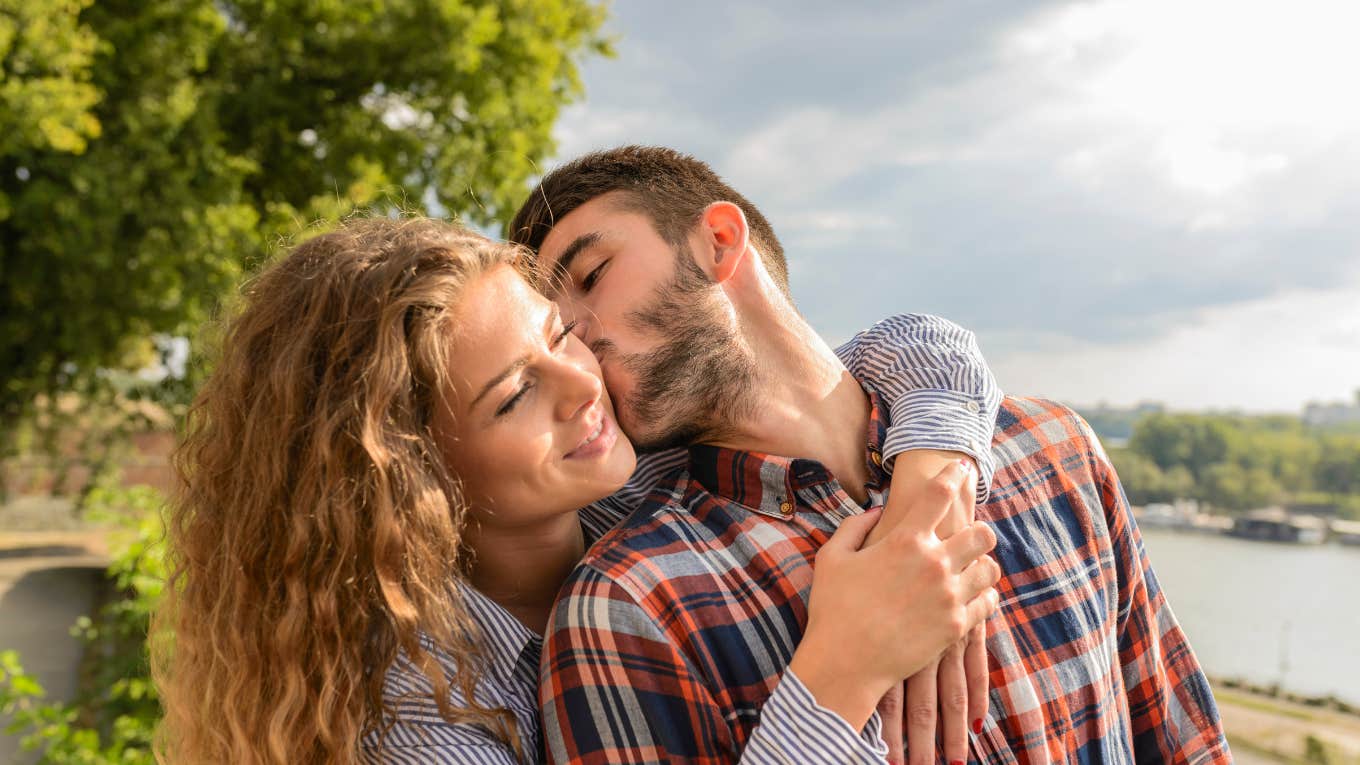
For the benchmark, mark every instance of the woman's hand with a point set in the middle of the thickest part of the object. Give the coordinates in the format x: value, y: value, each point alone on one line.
x: 950, y: 695
x: 879, y: 614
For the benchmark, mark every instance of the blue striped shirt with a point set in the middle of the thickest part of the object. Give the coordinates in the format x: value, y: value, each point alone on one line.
x: 940, y: 395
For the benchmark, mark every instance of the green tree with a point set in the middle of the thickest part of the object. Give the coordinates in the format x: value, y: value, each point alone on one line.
x: 1192, y: 441
x: 1144, y: 482
x: 1230, y: 486
x: 1338, y: 469
x: 150, y: 150
x: 1240, y: 462
x: 1140, y: 476
x: 46, y: 95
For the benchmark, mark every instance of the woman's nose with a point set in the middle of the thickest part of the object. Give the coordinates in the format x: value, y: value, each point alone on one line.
x: 580, y: 389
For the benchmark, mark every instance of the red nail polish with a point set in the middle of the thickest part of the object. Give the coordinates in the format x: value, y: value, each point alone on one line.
x: 977, y: 726
x: 956, y: 762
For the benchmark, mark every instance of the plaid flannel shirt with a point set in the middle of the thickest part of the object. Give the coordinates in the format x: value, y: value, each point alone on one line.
x: 941, y: 395
x: 678, y: 625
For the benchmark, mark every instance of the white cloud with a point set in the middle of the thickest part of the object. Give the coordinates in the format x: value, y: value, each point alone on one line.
x: 582, y: 128
x: 1263, y: 355
x: 1171, y: 110
x: 1208, y: 96
x: 1151, y: 173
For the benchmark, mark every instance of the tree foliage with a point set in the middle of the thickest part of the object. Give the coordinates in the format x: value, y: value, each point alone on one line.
x: 1145, y: 482
x: 1236, y: 462
x: 150, y: 150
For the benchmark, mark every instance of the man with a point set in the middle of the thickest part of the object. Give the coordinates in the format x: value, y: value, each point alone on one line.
x: 671, y: 634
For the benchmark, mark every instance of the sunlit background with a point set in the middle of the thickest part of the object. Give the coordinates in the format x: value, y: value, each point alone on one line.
x: 1148, y: 209
x: 1127, y: 201
x: 1151, y: 202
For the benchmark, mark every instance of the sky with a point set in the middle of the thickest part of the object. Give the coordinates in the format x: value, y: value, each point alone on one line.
x: 1126, y: 201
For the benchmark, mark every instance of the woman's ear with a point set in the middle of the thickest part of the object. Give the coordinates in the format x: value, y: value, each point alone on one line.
x: 726, y: 240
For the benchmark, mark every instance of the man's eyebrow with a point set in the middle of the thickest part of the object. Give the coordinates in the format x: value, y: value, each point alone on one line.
x: 577, y: 246
x: 553, y: 314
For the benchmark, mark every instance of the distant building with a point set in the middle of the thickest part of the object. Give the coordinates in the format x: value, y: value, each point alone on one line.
x: 1333, y: 414
x: 1180, y: 515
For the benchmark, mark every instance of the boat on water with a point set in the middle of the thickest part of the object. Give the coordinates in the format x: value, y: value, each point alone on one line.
x: 1275, y: 524
x: 1181, y: 515
x: 1346, y: 532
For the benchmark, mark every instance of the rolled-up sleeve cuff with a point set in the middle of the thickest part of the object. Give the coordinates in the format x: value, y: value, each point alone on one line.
x: 794, y: 728
x: 946, y: 420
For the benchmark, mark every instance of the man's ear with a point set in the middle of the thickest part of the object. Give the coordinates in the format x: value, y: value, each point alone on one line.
x: 726, y: 238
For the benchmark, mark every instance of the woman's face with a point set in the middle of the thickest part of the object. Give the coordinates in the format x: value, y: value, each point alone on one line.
x: 529, y: 429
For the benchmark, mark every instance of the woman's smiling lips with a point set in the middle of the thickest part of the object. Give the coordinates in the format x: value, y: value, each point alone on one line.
x: 598, y: 441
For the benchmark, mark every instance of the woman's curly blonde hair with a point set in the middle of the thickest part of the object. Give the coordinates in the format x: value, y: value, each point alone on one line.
x: 316, y: 533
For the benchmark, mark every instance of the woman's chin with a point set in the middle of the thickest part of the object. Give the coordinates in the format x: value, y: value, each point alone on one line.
x: 616, y: 471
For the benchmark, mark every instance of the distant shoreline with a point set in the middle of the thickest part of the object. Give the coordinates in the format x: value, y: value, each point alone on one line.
x: 1329, y: 702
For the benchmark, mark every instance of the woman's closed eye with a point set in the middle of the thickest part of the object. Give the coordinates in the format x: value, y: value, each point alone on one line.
x: 509, y: 404
x: 566, y: 330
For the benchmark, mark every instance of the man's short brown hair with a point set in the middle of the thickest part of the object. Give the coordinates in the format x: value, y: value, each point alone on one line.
x: 667, y: 186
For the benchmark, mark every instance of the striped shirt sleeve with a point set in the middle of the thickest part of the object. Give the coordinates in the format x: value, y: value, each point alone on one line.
x: 794, y: 728
x: 616, y: 690
x: 939, y: 390
x: 1173, y: 717
x: 491, y: 753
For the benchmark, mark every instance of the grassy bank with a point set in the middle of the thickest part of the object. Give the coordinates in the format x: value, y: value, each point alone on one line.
x: 1288, y: 730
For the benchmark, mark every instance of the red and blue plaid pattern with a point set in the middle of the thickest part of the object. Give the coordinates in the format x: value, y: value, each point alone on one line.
x: 670, y: 637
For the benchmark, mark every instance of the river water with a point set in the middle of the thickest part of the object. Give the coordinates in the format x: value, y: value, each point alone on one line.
x: 1265, y: 612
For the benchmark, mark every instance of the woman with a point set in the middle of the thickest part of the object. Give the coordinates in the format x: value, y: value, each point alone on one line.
x: 332, y: 574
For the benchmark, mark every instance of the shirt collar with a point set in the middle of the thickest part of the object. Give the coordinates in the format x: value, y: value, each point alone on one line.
x: 506, y: 638
x: 771, y: 485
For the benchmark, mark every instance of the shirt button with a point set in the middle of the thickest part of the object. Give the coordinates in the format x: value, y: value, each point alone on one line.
x: 876, y: 457
x: 786, y: 508
x: 973, y: 407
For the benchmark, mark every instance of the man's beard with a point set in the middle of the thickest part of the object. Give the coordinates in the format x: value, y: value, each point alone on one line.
x: 700, y: 378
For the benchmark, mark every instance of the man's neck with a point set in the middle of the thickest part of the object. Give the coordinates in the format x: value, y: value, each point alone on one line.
x: 806, y: 403
x: 522, y: 567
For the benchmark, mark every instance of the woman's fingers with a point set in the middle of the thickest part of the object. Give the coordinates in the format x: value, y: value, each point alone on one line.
x: 890, y: 712
x: 921, y: 711
x: 975, y: 668
x: 953, y: 705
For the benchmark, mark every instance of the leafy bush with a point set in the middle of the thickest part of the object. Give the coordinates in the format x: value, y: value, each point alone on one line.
x: 115, y: 714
